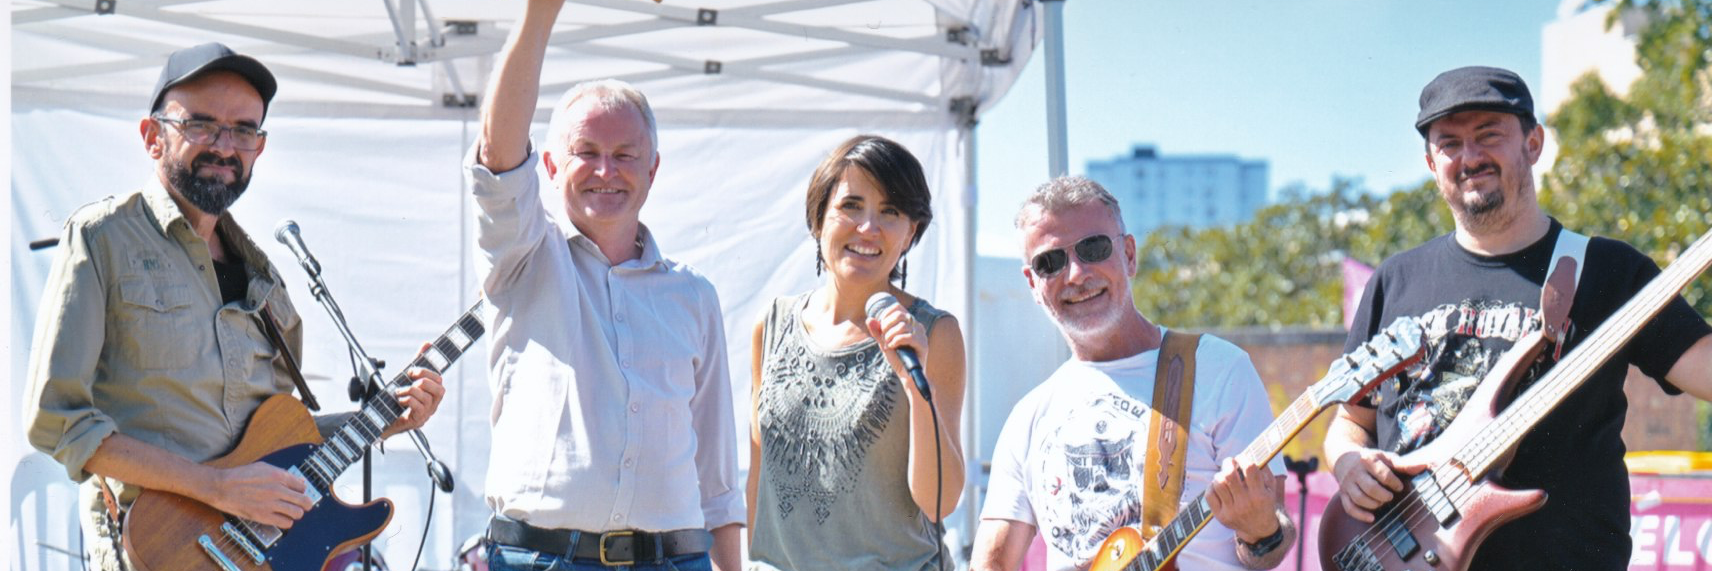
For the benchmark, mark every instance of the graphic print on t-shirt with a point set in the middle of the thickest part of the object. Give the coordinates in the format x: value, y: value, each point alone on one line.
x: 1091, y: 472
x: 1463, y: 341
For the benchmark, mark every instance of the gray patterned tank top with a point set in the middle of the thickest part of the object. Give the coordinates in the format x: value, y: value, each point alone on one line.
x: 834, y: 427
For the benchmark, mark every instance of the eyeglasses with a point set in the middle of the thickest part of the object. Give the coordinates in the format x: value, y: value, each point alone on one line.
x: 200, y: 132
x: 1091, y: 250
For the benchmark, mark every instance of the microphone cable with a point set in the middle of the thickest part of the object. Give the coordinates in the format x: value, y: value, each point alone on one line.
x: 426, y: 522
x: 938, y: 486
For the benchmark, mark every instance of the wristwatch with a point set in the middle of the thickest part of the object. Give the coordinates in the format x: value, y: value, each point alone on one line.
x: 1266, y: 544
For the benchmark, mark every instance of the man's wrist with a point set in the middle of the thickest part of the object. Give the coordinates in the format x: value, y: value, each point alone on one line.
x: 1265, y: 545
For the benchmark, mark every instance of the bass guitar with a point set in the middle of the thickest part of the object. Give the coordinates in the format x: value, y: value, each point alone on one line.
x: 1447, y: 510
x: 1350, y: 377
x: 169, y: 532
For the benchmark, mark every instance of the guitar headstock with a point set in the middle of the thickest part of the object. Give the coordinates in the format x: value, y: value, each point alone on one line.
x: 1359, y: 371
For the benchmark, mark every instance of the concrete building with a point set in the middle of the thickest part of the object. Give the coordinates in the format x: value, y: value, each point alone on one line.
x: 1186, y: 190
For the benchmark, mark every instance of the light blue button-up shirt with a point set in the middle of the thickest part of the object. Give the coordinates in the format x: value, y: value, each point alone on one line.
x: 612, y: 402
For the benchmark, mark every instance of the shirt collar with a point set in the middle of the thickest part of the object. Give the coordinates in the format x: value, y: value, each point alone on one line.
x: 649, y: 258
x: 164, y: 213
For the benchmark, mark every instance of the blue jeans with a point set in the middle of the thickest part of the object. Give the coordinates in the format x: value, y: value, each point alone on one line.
x: 509, y: 558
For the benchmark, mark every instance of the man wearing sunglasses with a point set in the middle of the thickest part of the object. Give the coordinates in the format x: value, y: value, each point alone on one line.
x: 1070, y: 461
x: 1477, y: 290
x: 150, y: 350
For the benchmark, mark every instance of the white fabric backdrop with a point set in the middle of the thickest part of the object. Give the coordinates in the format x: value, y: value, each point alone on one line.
x: 382, y: 206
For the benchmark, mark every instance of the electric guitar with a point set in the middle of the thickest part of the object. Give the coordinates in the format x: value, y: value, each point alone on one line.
x: 169, y: 532
x: 1350, y: 377
x: 1447, y: 510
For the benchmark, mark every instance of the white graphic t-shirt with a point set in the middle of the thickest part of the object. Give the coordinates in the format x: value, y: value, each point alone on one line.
x: 1070, y: 458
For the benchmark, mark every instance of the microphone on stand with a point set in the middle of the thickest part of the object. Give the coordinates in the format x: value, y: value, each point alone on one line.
x: 879, y: 303
x: 289, y: 234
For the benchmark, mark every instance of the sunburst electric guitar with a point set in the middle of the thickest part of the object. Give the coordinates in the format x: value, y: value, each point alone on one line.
x: 169, y: 532
x: 1350, y: 377
x: 1445, y: 511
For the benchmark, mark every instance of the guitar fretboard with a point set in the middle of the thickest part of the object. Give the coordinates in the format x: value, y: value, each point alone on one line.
x: 1482, y: 453
x: 380, y: 408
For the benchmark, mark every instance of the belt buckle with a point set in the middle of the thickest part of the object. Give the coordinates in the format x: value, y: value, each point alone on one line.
x: 613, y: 534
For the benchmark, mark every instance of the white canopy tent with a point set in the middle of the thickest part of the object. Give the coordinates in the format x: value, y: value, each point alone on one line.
x: 375, y: 109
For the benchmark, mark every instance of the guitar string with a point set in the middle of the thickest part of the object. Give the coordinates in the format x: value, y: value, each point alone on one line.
x: 1302, y: 409
x: 390, y: 409
x: 1633, y: 315
x: 1461, y: 489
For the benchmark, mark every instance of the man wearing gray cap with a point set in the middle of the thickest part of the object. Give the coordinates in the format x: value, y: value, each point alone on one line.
x: 1477, y: 291
x: 152, y: 346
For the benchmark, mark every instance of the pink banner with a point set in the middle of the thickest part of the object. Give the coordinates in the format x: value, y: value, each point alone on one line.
x: 1355, y: 276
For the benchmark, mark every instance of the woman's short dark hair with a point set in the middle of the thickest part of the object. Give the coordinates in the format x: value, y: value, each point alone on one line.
x: 888, y: 163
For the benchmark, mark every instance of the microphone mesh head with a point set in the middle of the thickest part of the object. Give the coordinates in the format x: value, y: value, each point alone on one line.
x: 285, y: 227
x: 879, y: 302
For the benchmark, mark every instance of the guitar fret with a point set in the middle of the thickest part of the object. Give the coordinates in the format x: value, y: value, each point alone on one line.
x: 354, y: 433
x: 319, y: 466
x: 471, y: 325
x: 448, y: 349
x: 373, y: 417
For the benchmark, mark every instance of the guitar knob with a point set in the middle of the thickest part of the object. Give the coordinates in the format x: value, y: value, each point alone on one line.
x: 1432, y: 558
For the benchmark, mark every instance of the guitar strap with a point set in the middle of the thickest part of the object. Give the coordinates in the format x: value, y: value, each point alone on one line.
x: 1168, y: 430
x: 270, y: 326
x: 1557, y: 294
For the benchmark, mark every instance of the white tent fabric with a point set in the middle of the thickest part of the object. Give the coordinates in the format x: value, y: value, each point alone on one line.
x: 365, y: 153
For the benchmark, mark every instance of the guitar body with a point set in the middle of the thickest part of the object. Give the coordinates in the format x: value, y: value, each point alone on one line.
x: 1120, y: 549
x: 1406, y: 533
x: 162, y: 530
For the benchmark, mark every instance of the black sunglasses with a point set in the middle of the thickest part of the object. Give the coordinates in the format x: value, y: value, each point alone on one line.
x: 1091, y: 250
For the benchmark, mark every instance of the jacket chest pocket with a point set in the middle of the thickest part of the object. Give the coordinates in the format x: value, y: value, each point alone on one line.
x: 156, y: 324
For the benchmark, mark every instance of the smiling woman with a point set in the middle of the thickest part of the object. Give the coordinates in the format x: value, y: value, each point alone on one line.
x: 851, y: 470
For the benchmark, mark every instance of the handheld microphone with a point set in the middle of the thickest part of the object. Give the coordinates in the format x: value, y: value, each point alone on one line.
x: 287, y: 233
x: 877, y: 304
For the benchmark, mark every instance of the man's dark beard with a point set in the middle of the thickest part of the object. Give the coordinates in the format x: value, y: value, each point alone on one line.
x: 209, y: 194
x: 1486, y: 204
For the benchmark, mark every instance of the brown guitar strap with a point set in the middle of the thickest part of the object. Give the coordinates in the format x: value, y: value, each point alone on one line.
x: 1168, y: 430
x: 1557, y: 295
x: 271, y: 327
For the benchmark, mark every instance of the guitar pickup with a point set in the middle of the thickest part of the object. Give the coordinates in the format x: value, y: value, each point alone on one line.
x: 242, y: 540
x: 1433, y: 497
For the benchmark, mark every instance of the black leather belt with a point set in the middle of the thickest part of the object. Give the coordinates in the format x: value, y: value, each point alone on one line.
x: 626, y: 547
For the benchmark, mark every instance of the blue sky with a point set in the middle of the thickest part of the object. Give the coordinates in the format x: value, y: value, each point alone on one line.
x: 1315, y: 87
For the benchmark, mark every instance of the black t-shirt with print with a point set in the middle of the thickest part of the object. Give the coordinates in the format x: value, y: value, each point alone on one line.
x: 1475, y: 307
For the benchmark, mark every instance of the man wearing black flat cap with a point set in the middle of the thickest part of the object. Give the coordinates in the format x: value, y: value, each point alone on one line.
x: 152, y: 345
x: 1477, y: 290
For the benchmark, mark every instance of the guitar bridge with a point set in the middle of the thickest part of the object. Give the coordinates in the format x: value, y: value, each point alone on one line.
x: 1357, y: 557
x: 214, y: 553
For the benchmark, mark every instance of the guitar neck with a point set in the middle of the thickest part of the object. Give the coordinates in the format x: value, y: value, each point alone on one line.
x: 1195, y: 515
x: 380, y: 408
x: 1482, y: 454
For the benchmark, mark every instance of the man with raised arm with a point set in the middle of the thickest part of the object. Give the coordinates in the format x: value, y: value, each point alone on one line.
x: 614, y: 440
